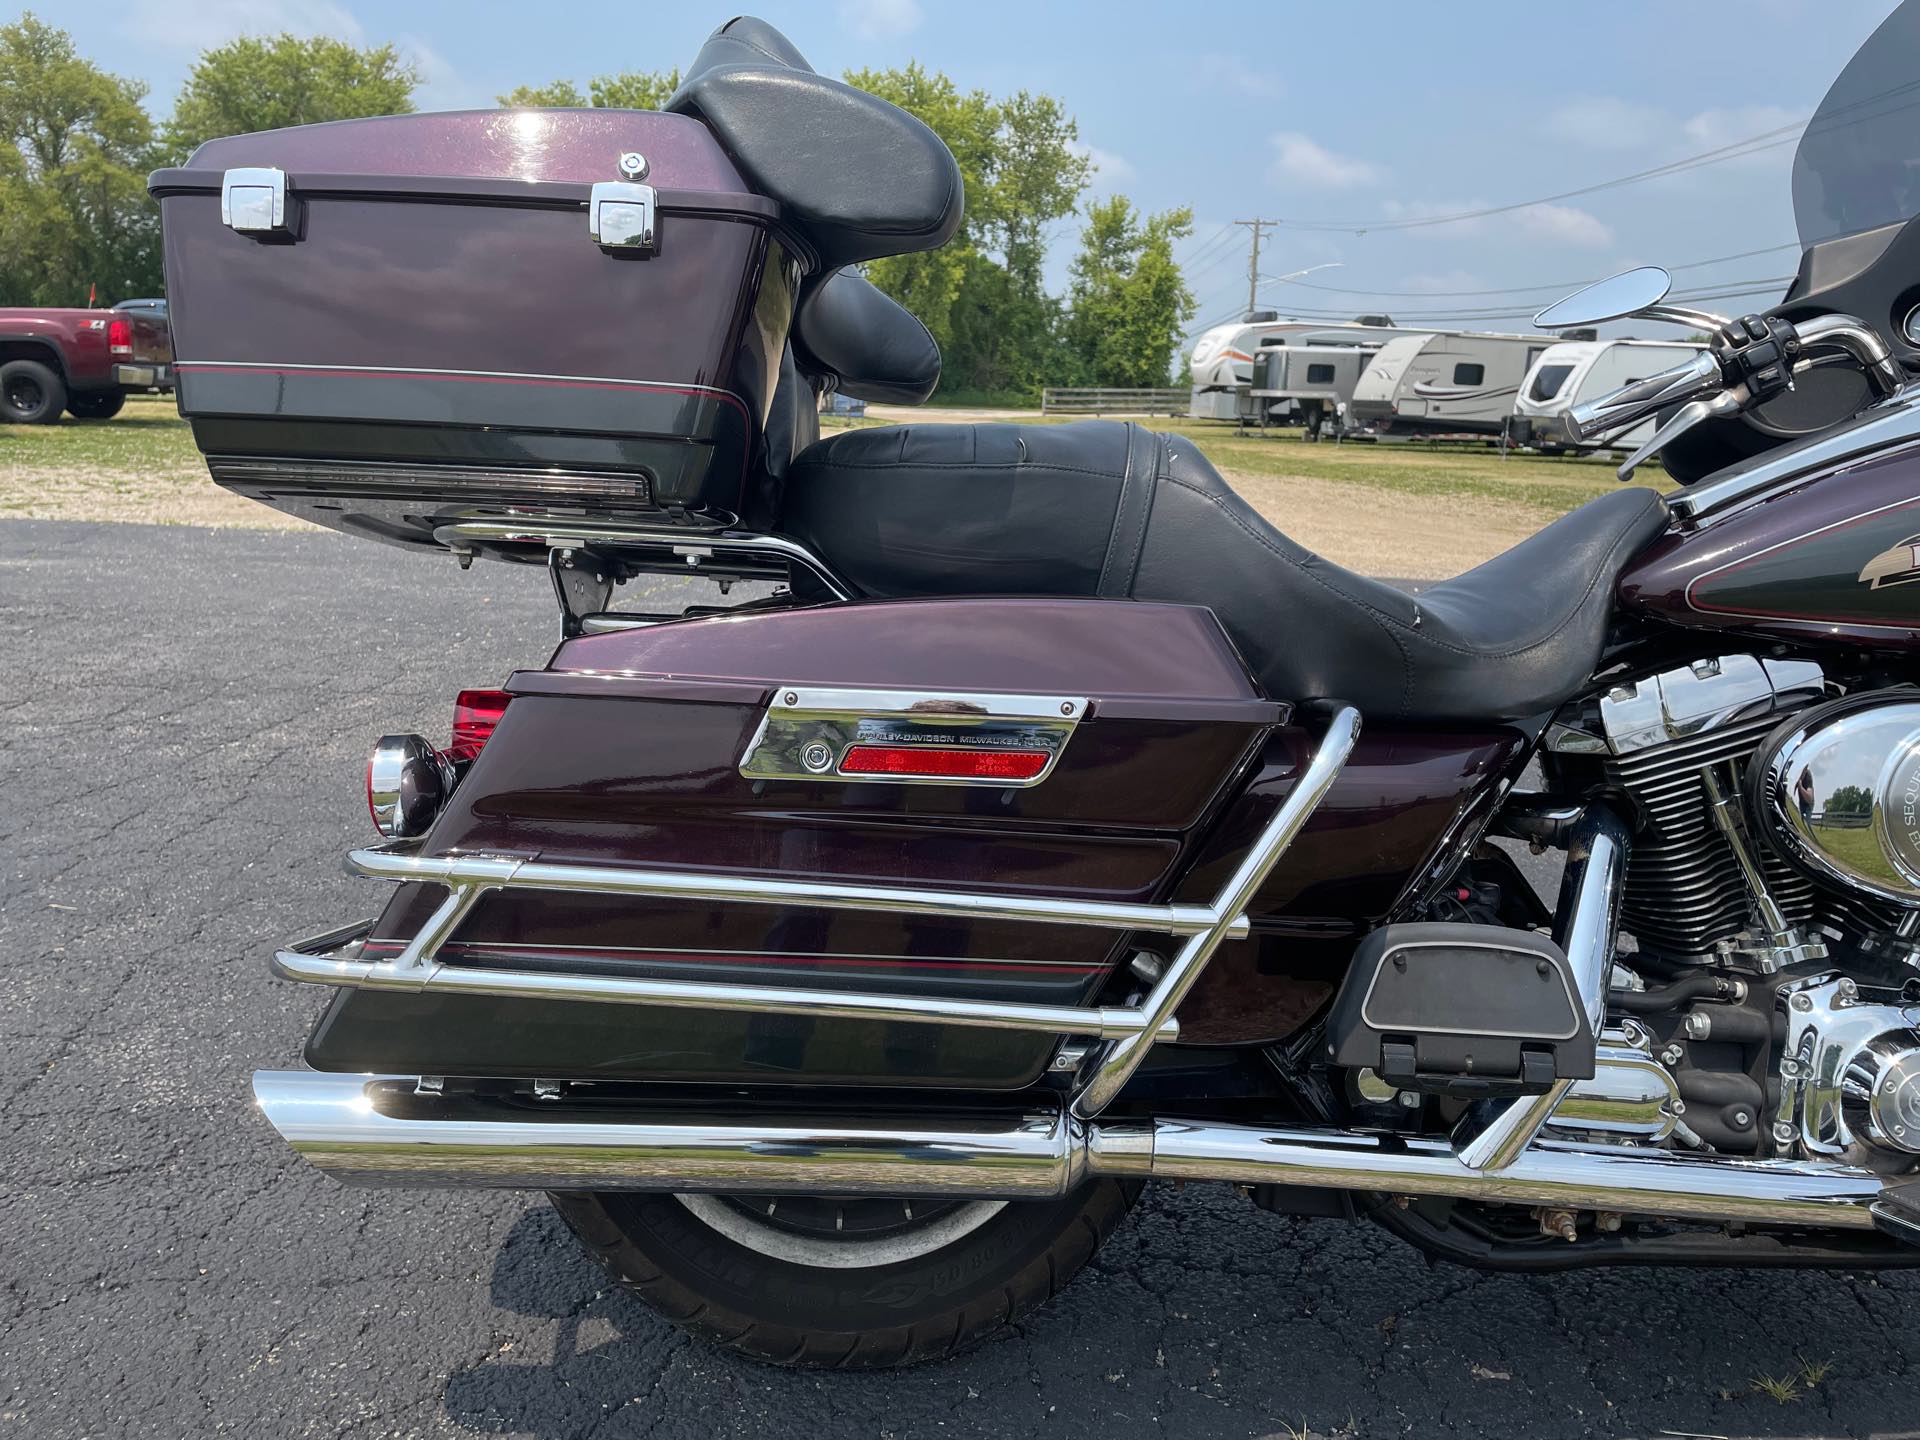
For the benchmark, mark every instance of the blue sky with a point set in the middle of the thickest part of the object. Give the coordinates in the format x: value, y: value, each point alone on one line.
x: 1306, y: 112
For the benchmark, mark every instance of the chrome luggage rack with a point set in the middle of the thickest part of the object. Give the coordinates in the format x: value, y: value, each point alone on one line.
x: 1129, y: 1030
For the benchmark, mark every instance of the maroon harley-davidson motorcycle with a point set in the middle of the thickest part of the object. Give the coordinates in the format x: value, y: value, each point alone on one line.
x: 1021, y: 817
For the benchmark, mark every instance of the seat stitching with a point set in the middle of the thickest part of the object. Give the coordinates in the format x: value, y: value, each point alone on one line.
x: 1120, y: 513
x: 1573, y: 614
x: 950, y: 465
x: 1406, y: 661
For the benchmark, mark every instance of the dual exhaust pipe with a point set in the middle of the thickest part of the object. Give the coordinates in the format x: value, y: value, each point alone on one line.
x: 371, y: 1130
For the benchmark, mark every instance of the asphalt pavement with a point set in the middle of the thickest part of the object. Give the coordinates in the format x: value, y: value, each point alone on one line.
x: 184, y: 718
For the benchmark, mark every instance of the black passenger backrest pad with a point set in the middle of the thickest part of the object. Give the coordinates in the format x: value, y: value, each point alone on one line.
x: 867, y: 343
x: 859, y: 178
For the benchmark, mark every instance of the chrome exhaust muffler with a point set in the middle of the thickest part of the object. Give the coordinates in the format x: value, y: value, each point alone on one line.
x: 373, y: 1130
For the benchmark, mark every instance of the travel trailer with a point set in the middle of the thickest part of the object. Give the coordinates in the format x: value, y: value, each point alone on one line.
x: 1446, y: 383
x: 1222, y: 361
x: 1310, y: 385
x: 1575, y: 371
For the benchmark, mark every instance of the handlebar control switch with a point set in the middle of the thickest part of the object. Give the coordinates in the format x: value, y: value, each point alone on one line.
x: 1758, y: 352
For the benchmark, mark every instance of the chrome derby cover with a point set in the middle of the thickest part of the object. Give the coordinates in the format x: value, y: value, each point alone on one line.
x: 1838, y: 790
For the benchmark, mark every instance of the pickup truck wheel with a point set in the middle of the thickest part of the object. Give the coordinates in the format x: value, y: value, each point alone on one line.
x: 843, y: 1282
x: 96, y: 405
x: 30, y: 393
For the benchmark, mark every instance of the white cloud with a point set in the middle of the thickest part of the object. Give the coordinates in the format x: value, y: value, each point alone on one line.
x: 1559, y: 224
x: 195, y: 25
x: 1606, y: 122
x: 1711, y: 129
x: 1450, y: 281
x: 1563, y: 225
x: 1108, y: 168
x: 880, y: 19
x: 1230, y: 72
x: 1303, y: 161
x: 441, y: 86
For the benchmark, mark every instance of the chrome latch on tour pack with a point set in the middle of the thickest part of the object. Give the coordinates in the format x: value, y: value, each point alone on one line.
x: 620, y: 213
x: 254, y: 201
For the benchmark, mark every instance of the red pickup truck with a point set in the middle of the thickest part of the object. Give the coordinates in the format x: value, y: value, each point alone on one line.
x: 84, y: 362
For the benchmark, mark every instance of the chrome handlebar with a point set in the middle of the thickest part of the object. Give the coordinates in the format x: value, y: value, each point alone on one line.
x: 1626, y: 407
x: 1703, y: 379
x: 1859, y: 340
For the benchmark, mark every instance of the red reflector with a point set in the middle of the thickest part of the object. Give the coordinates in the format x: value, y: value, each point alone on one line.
x: 943, y: 761
x: 475, y: 713
x: 120, y: 337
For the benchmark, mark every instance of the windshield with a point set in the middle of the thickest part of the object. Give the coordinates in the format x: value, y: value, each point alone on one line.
x: 1858, y: 165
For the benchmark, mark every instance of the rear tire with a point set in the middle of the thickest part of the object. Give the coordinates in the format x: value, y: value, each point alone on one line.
x: 31, y: 393
x: 96, y: 404
x: 926, y: 1289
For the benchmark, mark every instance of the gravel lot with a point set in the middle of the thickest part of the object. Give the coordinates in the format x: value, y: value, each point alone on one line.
x: 183, y: 720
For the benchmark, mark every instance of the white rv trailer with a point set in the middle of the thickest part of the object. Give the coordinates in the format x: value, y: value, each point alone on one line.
x: 1222, y: 361
x: 1576, y: 371
x: 1310, y: 384
x: 1446, y: 383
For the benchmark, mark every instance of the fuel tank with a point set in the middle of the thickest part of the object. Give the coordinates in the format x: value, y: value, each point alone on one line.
x: 1835, y: 559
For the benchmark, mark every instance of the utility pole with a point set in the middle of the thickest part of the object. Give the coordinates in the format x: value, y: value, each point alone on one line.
x: 1253, y: 260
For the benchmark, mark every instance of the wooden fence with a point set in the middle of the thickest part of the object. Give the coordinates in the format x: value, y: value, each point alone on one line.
x: 1099, y: 401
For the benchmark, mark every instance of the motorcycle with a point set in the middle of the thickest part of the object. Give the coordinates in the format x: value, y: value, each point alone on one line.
x: 1021, y: 817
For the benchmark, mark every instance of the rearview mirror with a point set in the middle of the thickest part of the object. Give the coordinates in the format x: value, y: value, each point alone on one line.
x: 1614, y: 298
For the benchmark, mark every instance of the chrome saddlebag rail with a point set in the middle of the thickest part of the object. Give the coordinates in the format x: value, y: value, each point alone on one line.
x: 1132, y: 1030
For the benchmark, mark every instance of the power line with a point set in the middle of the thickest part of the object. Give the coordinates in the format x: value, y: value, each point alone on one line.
x: 1556, y: 288
x: 1495, y: 313
x: 1752, y: 145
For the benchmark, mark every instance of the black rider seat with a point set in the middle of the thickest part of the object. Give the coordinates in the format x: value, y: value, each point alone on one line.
x: 1110, y: 509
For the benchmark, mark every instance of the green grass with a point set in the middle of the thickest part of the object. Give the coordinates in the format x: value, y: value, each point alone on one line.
x: 1549, y: 485
x: 148, y: 435
x: 148, y: 440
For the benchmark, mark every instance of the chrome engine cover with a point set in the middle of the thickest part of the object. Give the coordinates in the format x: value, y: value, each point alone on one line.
x: 1837, y: 792
x: 1850, y: 1074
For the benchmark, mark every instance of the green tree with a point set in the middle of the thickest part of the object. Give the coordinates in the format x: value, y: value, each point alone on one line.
x: 1850, y: 800
x: 263, y: 84
x: 629, y: 90
x: 1128, y: 299
x: 555, y: 95
x: 75, y: 147
x: 981, y: 294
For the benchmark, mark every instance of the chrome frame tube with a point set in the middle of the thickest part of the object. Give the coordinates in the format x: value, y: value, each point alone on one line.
x: 1586, y: 925
x: 692, y: 544
x: 1130, y: 1029
x: 374, y: 1130
x: 1123, y: 1057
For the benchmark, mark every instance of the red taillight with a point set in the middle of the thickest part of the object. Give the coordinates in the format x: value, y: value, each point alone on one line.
x: 943, y: 762
x: 475, y: 713
x: 120, y: 336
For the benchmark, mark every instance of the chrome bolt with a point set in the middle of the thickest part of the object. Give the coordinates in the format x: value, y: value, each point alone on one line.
x: 1742, y: 1118
x: 1699, y: 1025
x: 1671, y: 1055
x: 1066, y: 707
x: 790, y: 698
x: 1801, y: 1002
x: 1409, y: 1100
x: 1783, y: 1132
x: 633, y: 165
x: 1790, y: 1069
x: 1677, y: 1106
x: 817, y: 757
